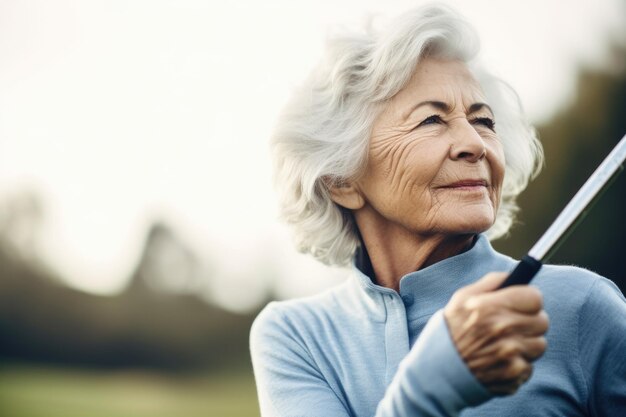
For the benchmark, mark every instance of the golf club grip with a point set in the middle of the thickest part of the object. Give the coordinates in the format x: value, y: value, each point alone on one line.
x: 523, y: 272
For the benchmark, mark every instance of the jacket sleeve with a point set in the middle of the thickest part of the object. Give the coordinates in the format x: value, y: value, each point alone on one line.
x: 431, y: 381
x: 602, y: 348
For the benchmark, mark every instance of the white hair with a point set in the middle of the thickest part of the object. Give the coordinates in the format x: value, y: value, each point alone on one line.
x: 322, y: 136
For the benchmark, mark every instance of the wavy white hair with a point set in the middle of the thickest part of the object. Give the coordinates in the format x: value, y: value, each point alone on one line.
x: 322, y: 136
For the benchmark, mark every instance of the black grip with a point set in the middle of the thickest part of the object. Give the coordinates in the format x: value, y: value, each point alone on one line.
x: 523, y: 272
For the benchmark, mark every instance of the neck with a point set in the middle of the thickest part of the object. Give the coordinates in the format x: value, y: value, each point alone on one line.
x: 395, y: 251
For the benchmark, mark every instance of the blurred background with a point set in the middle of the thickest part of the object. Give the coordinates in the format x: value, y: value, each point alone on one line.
x: 138, y: 231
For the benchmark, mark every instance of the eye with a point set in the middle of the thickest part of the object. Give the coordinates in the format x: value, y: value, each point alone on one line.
x: 434, y: 119
x: 484, y: 121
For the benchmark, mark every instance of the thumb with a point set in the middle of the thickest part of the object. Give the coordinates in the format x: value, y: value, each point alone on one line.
x: 488, y: 283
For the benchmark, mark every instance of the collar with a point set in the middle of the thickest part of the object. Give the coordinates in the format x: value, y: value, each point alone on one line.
x: 425, y: 291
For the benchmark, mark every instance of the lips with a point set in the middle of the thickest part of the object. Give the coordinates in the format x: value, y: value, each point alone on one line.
x: 467, y: 184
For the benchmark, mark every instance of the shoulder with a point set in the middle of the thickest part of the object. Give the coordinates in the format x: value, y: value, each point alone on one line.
x: 572, y: 281
x: 578, y: 290
x: 297, y: 317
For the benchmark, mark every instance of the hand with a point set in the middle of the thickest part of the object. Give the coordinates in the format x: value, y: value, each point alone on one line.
x: 498, y: 333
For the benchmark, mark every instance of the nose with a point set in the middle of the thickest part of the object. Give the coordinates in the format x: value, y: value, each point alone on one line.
x: 466, y: 143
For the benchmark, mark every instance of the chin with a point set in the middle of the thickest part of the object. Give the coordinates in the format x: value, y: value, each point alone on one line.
x: 470, y: 221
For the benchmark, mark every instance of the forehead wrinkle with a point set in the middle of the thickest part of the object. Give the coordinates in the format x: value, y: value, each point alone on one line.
x: 437, y: 104
x: 447, y: 97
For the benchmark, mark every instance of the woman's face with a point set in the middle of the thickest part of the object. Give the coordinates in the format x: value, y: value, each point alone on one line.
x: 435, y: 163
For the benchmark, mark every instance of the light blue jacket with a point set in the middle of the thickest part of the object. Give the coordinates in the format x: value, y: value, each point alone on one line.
x: 360, y: 349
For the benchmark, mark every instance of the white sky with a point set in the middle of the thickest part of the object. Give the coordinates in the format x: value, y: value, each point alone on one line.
x: 119, y: 111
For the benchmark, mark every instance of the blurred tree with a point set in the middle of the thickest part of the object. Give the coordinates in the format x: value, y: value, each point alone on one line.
x: 44, y: 321
x: 21, y: 219
x: 168, y: 264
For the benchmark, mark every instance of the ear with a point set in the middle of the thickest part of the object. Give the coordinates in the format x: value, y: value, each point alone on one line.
x: 345, y: 193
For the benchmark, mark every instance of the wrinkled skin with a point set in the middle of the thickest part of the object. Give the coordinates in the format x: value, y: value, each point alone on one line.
x: 433, y: 181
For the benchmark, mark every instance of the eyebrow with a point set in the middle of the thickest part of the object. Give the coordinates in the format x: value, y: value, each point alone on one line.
x: 446, y: 107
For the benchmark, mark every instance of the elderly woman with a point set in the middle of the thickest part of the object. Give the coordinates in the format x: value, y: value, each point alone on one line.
x: 401, y: 158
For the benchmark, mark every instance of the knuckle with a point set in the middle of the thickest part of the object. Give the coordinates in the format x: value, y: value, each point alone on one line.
x: 542, y: 345
x: 526, y: 375
x: 527, y: 296
x: 454, y: 311
x: 498, y: 328
x: 457, y: 297
x: 483, y: 314
x: 544, y: 320
x: 484, y: 306
x: 473, y: 307
x: 472, y: 302
x: 535, y: 291
x: 517, y: 368
x: 484, y: 317
x: 509, y: 349
x: 534, y: 348
x: 535, y: 296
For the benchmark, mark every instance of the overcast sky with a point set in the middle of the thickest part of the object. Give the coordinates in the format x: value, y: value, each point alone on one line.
x: 121, y: 111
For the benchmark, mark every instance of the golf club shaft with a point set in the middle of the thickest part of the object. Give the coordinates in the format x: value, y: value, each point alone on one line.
x: 577, y: 208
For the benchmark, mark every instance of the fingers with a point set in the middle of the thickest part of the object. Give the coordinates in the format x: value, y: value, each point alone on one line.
x: 520, y: 298
x: 535, y: 348
x: 507, y: 350
x: 521, y: 324
x: 498, y: 332
x: 507, y: 372
x: 507, y: 377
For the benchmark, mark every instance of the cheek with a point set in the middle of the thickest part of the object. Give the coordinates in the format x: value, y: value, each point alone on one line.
x: 497, y: 164
x: 421, y: 166
x: 400, y: 174
x: 402, y: 165
x: 412, y: 199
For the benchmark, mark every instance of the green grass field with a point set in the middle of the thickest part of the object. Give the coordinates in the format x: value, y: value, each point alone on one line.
x: 27, y: 391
